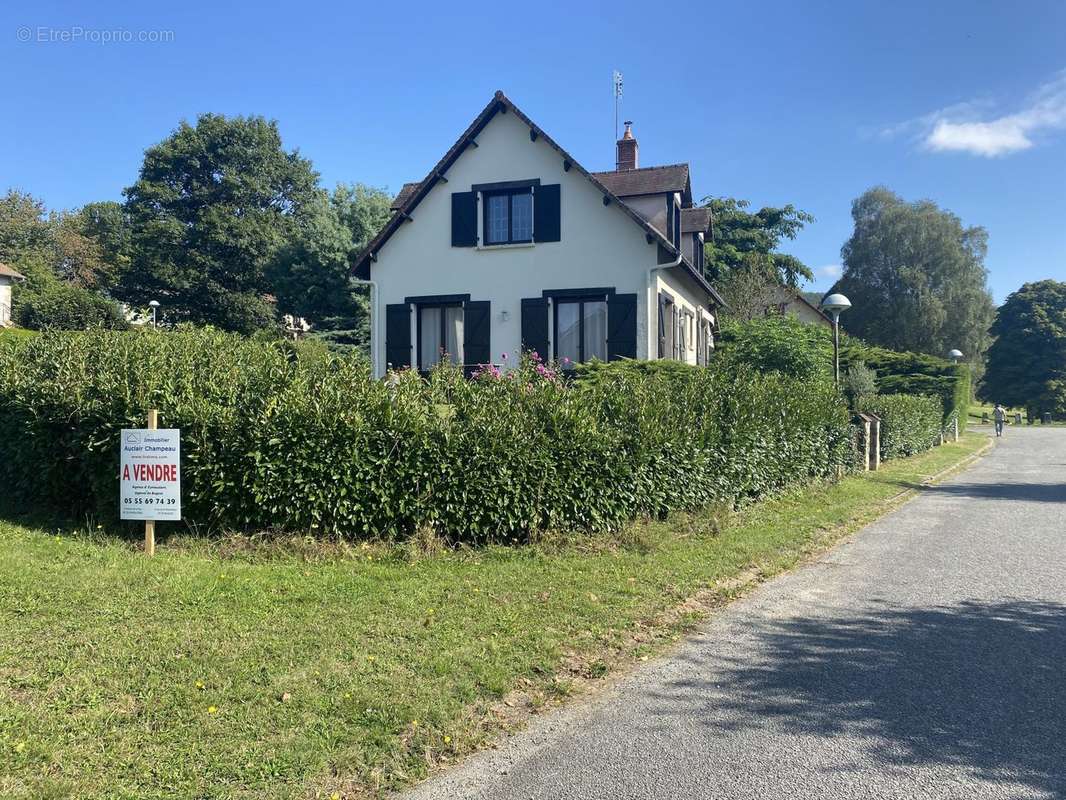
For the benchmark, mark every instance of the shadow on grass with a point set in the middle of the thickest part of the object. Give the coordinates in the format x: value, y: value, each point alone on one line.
x: 977, y: 686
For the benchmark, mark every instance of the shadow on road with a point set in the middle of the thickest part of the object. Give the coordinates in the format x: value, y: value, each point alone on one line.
x: 1030, y: 492
x: 975, y: 686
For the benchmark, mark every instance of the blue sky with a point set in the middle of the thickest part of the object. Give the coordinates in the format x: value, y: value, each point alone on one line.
x: 776, y: 102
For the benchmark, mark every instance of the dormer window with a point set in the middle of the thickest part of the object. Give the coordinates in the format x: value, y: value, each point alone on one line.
x: 509, y: 216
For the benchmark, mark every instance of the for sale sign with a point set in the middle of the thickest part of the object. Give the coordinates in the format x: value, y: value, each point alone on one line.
x: 150, y: 474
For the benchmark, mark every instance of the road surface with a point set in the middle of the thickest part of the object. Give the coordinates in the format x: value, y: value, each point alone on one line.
x: 926, y: 658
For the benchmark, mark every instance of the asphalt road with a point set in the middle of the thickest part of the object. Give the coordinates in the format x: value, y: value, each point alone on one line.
x: 926, y: 658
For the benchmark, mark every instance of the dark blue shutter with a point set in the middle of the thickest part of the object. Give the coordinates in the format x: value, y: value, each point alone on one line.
x: 621, y: 326
x: 398, y: 335
x: 464, y: 219
x: 535, y: 325
x: 477, y: 324
x: 547, y: 220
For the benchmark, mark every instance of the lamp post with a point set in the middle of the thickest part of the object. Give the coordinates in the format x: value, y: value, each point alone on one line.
x: 955, y: 355
x: 835, y: 304
x: 154, y: 305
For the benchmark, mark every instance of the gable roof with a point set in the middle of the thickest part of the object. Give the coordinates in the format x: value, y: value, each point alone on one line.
x: 9, y: 272
x: 695, y: 220
x: 500, y: 104
x: 649, y: 180
x: 404, y: 195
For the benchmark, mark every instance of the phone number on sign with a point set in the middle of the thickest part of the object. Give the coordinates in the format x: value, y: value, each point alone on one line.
x: 149, y: 501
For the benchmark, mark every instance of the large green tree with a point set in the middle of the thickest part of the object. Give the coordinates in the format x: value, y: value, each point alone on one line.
x: 64, y: 263
x: 311, y: 274
x: 1027, y: 360
x: 742, y: 241
x: 213, y: 205
x: 27, y: 236
x: 915, y: 277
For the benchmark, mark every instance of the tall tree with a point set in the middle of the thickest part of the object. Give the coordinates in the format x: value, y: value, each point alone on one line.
x: 915, y: 277
x: 1027, y: 360
x: 213, y: 205
x: 64, y: 263
x: 739, y: 236
x: 311, y: 274
x: 106, y: 224
x: 27, y: 237
x: 362, y: 209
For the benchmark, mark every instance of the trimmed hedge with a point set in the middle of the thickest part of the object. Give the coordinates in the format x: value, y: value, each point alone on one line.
x: 296, y: 438
x: 915, y: 374
x: 909, y: 423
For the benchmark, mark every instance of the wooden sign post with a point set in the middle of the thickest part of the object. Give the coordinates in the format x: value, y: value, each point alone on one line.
x: 150, y: 476
x: 149, y: 524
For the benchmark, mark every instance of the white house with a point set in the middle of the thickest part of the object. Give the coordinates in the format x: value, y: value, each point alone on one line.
x: 509, y: 243
x: 8, y: 277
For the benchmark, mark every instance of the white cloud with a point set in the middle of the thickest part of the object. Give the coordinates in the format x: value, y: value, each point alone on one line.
x: 974, y: 128
x: 833, y: 271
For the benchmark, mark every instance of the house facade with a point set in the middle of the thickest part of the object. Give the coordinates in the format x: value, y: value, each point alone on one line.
x: 510, y: 244
x: 8, y: 278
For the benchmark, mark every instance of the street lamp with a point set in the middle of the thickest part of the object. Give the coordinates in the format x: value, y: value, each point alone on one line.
x: 154, y: 305
x: 955, y: 355
x: 835, y: 304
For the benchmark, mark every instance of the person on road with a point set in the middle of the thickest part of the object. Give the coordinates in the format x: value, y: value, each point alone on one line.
x: 999, y: 416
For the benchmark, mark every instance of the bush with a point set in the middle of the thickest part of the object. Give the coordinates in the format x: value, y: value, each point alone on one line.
x: 60, y: 306
x: 296, y: 438
x: 859, y: 381
x: 909, y: 423
x: 779, y: 344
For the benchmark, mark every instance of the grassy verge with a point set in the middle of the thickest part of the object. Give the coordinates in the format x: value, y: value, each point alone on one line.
x: 239, y: 670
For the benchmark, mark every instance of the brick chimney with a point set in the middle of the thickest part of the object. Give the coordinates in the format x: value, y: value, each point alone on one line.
x: 626, y: 153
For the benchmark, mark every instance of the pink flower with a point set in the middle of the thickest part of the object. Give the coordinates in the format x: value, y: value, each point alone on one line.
x: 566, y: 360
x: 503, y: 356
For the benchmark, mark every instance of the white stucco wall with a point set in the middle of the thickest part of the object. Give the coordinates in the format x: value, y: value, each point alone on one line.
x: 652, y: 207
x: 5, y: 300
x: 688, y: 296
x: 601, y: 246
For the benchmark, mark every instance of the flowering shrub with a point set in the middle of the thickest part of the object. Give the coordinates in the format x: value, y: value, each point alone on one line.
x: 295, y: 438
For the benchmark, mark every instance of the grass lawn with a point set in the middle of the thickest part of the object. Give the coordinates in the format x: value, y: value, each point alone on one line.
x: 291, y: 670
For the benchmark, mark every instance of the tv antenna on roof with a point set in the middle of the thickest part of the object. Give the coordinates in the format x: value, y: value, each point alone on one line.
x: 617, y: 99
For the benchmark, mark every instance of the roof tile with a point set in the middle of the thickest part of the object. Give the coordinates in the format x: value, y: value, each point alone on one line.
x: 406, y: 191
x: 646, y: 180
x: 695, y: 220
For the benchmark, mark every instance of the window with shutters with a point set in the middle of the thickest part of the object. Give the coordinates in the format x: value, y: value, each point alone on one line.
x: 580, y: 329
x: 440, y: 334
x: 509, y: 216
x: 668, y: 328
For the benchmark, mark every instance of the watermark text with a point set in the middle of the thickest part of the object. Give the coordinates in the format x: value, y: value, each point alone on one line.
x: 77, y: 34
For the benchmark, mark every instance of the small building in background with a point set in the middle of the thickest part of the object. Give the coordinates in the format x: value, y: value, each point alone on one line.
x: 783, y: 301
x: 8, y: 278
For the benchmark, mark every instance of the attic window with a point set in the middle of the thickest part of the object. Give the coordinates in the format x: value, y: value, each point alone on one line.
x: 509, y: 216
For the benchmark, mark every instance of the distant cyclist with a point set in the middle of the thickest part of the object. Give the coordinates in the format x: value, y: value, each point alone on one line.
x: 999, y: 415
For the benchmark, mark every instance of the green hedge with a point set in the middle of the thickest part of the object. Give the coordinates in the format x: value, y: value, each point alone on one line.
x: 278, y: 436
x: 915, y: 373
x: 778, y: 343
x: 909, y: 423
